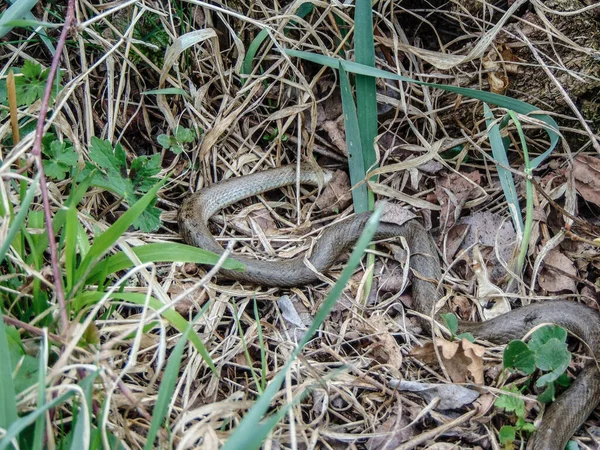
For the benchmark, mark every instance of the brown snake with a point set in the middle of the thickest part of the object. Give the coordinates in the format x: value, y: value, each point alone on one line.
x: 561, y: 419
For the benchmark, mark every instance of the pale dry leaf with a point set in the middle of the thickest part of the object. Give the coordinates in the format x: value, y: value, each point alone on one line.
x: 295, y: 314
x: 384, y: 347
x: 586, y: 172
x: 453, y: 191
x: 475, y: 353
x: 452, y: 396
x: 337, y: 195
x: 394, y: 431
x: 336, y: 135
x: 394, y: 213
x: 553, y: 281
x: 484, y: 229
x: 490, y: 297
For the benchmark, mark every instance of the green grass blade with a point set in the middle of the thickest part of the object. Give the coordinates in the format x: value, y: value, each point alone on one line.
x: 356, y: 162
x: 249, y: 434
x: 168, y: 91
x: 70, y: 245
x: 246, y: 69
x: 366, y: 89
x: 83, y: 429
x: 40, y: 423
x: 167, y: 385
x: 19, y: 219
x: 16, y: 11
x: 106, y: 240
x: 19, y: 425
x: 487, y: 97
x: 159, y: 252
x: 172, y: 316
x: 8, y: 400
x: 506, y: 178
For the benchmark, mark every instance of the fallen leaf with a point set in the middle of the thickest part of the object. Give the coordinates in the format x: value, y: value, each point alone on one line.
x: 586, y: 172
x: 393, y: 432
x: 296, y: 316
x: 484, y: 229
x: 553, y: 281
x: 452, y: 396
x: 337, y: 194
x: 453, y: 192
x: 383, y: 347
x: 490, y: 297
x: 462, y: 359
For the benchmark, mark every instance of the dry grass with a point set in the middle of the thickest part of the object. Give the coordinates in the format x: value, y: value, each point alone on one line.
x: 283, y: 112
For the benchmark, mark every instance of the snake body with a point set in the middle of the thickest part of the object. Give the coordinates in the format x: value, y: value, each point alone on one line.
x: 561, y: 419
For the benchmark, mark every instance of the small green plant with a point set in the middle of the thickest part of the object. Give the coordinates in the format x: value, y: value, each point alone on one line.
x: 127, y: 181
x: 452, y: 324
x: 61, y: 158
x: 547, y: 352
x: 30, y: 82
x: 176, y: 143
x: 511, y: 402
x: 270, y: 137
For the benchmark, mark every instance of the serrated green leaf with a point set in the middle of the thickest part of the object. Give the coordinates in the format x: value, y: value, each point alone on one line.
x: 31, y: 70
x: 103, y: 156
x: 149, y: 220
x: 517, y: 355
x: 511, y: 403
x: 143, y: 168
x: 544, y: 334
x: 54, y: 169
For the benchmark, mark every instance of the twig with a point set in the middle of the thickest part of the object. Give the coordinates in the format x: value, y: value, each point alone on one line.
x: 37, y: 154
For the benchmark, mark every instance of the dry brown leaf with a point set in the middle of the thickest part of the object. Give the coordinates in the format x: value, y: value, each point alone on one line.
x: 384, y: 347
x: 586, y: 171
x: 553, y: 281
x: 337, y: 194
x: 396, y: 431
x: 451, y: 396
x: 452, y: 193
x: 462, y: 359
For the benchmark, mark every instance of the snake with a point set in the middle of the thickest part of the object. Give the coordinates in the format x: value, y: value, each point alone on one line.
x: 561, y: 418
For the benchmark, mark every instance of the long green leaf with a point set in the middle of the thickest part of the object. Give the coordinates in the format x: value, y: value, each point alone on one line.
x: 488, y: 97
x: 249, y: 434
x: 167, y: 386
x: 8, y: 400
x: 246, y: 69
x: 19, y: 425
x: 366, y: 89
x: 40, y: 423
x: 16, y: 11
x: 103, y: 242
x: 506, y: 178
x: 19, y: 219
x: 159, y: 252
x: 356, y: 161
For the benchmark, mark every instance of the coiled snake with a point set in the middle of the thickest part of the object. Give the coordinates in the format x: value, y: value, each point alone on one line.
x: 561, y: 419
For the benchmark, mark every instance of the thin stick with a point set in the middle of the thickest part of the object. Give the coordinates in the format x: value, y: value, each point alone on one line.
x: 37, y: 154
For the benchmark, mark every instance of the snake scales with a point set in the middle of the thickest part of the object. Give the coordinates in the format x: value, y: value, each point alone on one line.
x: 561, y: 419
